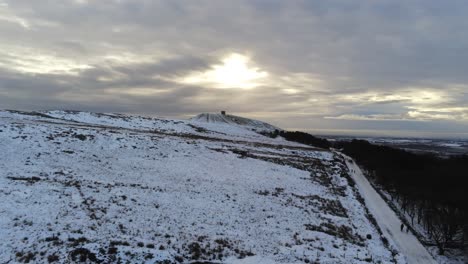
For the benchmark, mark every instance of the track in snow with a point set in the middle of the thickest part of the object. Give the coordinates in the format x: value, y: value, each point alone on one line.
x: 388, y: 221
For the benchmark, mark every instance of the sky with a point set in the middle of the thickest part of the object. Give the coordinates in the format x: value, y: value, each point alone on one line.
x: 393, y: 68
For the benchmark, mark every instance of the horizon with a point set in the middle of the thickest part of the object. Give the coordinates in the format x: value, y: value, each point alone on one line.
x: 340, y: 133
x: 389, y: 68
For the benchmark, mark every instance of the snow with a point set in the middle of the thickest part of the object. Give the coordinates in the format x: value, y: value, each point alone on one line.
x: 195, y: 126
x: 451, y: 145
x: 123, y: 121
x: 452, y: 256
x: 246, y: 123
x: 150, y: 189
x: 388, y: 221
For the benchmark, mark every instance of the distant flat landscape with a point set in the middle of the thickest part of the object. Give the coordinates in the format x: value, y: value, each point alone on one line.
x: 441, y: 147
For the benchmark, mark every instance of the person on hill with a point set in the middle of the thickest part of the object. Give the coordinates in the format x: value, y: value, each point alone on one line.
x: 401, y: 227
x: 407, y: 229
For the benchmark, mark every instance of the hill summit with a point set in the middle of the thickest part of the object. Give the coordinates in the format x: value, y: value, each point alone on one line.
x: 223, y: 118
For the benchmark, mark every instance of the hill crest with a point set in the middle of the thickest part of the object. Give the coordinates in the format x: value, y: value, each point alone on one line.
x: 220, y: 118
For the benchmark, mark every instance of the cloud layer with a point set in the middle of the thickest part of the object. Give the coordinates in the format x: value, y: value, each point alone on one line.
x: 372, y: 65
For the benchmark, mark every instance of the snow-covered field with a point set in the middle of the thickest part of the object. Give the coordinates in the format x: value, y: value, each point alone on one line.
x: 78, y: 186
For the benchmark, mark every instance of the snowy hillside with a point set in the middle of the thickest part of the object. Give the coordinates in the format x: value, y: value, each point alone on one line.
x: 77, y: 186
x: 246, y: 123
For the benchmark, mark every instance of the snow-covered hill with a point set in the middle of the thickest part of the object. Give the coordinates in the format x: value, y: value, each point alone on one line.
x: 78, y: 186
x: 246, y: 123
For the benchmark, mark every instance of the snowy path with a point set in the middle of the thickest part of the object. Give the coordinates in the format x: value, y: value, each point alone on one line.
x: 388, y: 221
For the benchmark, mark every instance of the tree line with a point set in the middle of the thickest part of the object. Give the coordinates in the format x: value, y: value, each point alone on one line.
x: 432, y: 190
x: 300, y: 137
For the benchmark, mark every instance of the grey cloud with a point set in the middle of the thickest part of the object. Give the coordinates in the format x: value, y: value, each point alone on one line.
x: 353, y: 46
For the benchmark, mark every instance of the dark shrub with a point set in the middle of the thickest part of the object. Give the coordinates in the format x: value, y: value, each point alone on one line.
x: 53, y: 258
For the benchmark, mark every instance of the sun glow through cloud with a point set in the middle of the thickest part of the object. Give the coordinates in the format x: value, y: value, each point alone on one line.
x: 234, y: 72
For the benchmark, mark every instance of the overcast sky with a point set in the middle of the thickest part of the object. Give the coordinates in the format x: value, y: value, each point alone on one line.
x: 373, y: 67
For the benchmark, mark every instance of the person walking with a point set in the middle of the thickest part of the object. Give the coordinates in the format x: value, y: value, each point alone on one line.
x: 407, y: 229
x: 401, y: 227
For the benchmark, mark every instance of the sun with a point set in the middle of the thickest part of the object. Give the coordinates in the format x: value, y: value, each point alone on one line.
x: 234, y: 72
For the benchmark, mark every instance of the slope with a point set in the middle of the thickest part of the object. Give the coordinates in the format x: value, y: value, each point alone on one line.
x: 247, y: 123
x: 73, y: 190
x: 389, y: 221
